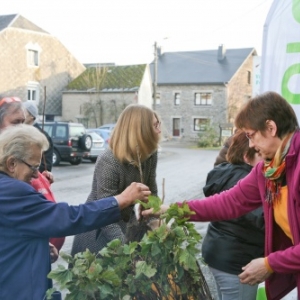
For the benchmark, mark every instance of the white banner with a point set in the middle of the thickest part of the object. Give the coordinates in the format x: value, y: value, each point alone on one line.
x: 280, y: 62
x: 256, y: 68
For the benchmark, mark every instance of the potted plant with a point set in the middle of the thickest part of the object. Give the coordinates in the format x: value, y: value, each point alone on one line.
x: 162, y: 265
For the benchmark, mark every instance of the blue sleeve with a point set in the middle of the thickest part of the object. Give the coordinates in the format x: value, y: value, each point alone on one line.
x: 27, y: 211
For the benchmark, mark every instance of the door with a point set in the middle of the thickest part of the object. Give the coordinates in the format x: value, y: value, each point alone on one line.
x: 176, y: 127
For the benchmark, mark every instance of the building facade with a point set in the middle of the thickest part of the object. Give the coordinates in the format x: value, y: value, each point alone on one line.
x: 100, y: 94
x: 35, y: 65
x: 198, y: 90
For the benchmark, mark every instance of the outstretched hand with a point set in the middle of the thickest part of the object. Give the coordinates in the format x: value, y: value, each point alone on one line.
x: 149, y: 212
x: 136, y: 191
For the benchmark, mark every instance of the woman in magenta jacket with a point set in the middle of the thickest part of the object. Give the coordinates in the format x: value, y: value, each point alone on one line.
x: 271, y: 126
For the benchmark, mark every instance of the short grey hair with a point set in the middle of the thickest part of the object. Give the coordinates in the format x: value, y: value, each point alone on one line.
x: 8, y: 108
x: 17, y: 141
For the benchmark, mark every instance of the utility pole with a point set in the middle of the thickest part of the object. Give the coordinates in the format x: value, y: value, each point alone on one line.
x: 155, y: 76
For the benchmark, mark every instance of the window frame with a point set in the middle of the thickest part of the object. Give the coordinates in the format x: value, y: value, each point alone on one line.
x: 158, y: 97
x: 202, y: 127
x: 177, y: 100
x: 33, y: 91
x: 33, y: 51
x: 199, y: 102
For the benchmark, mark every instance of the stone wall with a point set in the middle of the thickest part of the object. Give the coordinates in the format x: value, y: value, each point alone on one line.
x: 187, y: 111
x: 112, y: 104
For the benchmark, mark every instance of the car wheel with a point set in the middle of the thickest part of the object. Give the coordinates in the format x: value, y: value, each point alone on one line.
x: 55, y: 158
x: 75, y: 161
x: 86, y: 142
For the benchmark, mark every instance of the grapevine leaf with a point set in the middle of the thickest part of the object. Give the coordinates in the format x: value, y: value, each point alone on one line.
x: 143, y: 268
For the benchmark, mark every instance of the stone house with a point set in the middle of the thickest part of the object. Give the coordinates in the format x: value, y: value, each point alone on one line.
x: 99, y: 95
x: 34, y: 64
x: 197, y: 90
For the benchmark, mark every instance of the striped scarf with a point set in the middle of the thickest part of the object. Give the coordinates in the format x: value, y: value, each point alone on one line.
x: 274, y: 170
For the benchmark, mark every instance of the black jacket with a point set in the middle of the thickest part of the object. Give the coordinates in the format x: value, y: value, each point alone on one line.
x: 230, y: 245
x: 46, y: 162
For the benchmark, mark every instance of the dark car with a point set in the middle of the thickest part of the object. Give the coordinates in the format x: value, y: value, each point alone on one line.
x: 70, y: 141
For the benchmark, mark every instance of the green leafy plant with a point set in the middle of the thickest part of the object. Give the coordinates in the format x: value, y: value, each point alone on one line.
x: 163, y: 265
x: 208, y: 138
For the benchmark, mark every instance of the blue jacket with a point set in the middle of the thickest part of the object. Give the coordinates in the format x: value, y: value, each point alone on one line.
x: 27, y: 220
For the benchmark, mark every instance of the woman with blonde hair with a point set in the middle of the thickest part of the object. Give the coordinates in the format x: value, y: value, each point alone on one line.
x: 132, y: 156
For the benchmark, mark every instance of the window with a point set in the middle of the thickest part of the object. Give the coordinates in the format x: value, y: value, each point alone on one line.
x: 157, y: 98
x: 248, y: 77
x: 177, y: 99
x: 33, y: 57
x: 33, y: 54
x: 200, y: 124
x: 203, y: 99
x: 61, y: 131
x: 31, y: 94
x: 33, y: 91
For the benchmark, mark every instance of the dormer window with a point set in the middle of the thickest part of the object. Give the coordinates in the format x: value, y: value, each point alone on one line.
x: 33, y: 58
x: 33, y: 54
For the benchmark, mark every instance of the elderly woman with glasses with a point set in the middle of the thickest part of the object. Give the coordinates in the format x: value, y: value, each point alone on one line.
x: 132, y: 156
x: 28, y: 219
x: 271, y: 126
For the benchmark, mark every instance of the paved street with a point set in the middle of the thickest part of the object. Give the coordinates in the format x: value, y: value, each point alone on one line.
x: 184, y: 170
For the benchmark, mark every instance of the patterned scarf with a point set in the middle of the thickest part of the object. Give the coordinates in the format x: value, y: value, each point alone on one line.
x: 274, y: 170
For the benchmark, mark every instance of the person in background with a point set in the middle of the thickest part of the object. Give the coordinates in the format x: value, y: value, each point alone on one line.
x: 11, y: 112
x: 238, y: 240
x: 134, y: 139
x: 271, y: 125
x: 31, y: 118
x: 222, y: 154
x: 28, y: 219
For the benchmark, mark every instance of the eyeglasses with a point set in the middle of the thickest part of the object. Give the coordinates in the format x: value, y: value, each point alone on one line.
x: 33, y: 169
x: 157, y: 125
x: 250, y: 135
x: 9, y: 100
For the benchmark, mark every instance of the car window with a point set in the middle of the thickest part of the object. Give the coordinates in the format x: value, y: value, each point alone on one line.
x: 76, y: 131
x: 61, y: 131
x: 48, y: 129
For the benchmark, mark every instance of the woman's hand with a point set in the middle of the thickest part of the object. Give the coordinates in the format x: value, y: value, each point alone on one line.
x: 254, y: 272
x: 49, y: 176
x: 136, y: 191
x: 149, y: 212
x: 53, y: 253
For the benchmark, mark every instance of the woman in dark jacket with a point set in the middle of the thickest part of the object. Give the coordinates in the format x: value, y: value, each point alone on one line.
x: 230, y: 245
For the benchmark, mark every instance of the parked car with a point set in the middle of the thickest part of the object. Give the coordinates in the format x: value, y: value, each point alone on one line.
x: 70, y: 141
x: 97, y: 146
x: 104, y: 133
x: 109, y: 126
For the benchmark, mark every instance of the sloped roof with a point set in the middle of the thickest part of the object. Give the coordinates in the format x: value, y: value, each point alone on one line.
x: 199, y: 67
x: 114, y: 78
x: 17, y: 21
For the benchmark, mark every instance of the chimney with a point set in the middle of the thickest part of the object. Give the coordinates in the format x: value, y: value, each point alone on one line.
x: 159, y: 51
x: 221, y: 52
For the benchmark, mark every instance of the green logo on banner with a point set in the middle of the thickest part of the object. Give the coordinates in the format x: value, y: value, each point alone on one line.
x: 293, y: 69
